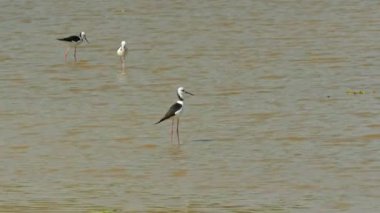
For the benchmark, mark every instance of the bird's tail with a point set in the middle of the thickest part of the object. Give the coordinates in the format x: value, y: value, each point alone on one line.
x: 159, y: 121
x: 162, y: 119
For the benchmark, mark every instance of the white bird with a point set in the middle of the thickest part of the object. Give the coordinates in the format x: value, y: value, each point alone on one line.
x: 74, y: 41
x: 122, y: 52
x: 175, y: 111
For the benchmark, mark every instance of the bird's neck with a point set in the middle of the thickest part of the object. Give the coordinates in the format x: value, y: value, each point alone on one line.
x: 180, y: 97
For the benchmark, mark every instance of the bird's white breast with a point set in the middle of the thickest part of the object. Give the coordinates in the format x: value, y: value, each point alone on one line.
x: 75, y: 44
x: 120, y: 51
x: 178, y: 112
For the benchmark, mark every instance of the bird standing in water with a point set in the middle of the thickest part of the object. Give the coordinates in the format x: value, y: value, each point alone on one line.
x: 122, y: 52
x: 74, y: 41
x: 175, y: 111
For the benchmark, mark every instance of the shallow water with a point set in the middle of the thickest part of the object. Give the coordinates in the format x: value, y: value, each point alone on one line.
x: 273, y: 127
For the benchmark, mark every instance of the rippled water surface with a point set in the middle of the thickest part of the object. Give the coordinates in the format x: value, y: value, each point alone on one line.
x: 285, y: 116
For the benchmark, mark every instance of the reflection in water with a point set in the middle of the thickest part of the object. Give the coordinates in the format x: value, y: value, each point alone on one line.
x: 122, y: 76
x: 176, y: 152
x: 285, y: 116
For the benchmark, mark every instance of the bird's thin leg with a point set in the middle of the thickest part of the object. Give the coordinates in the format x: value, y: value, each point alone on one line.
x: 122, y: 60
x: 66, y: 51
x: 171, y: 133
x: 177, y: 130
x: 75, y: 54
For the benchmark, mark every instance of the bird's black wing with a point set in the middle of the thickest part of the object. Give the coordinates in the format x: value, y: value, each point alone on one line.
x: 73, y: 38
x: 171, y: 112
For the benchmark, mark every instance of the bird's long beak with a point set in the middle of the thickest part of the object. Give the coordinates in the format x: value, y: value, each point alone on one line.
x: 188, y: 92
x: 85, y: 38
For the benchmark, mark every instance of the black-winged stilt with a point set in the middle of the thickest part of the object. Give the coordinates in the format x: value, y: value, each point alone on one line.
x: 122, y: 52
x: 74, y: 41
x: 175, y: 111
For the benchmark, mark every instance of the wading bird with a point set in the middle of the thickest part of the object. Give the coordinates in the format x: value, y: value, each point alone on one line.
x: 74, y: 41
x: 122, y: 52
x: 175, y: 111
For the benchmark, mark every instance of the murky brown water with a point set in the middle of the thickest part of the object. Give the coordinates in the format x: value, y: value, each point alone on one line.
x: 274, y: 125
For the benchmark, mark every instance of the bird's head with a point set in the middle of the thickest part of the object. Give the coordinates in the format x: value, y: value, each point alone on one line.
x: 83, y: 36
x: 181, y: 91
